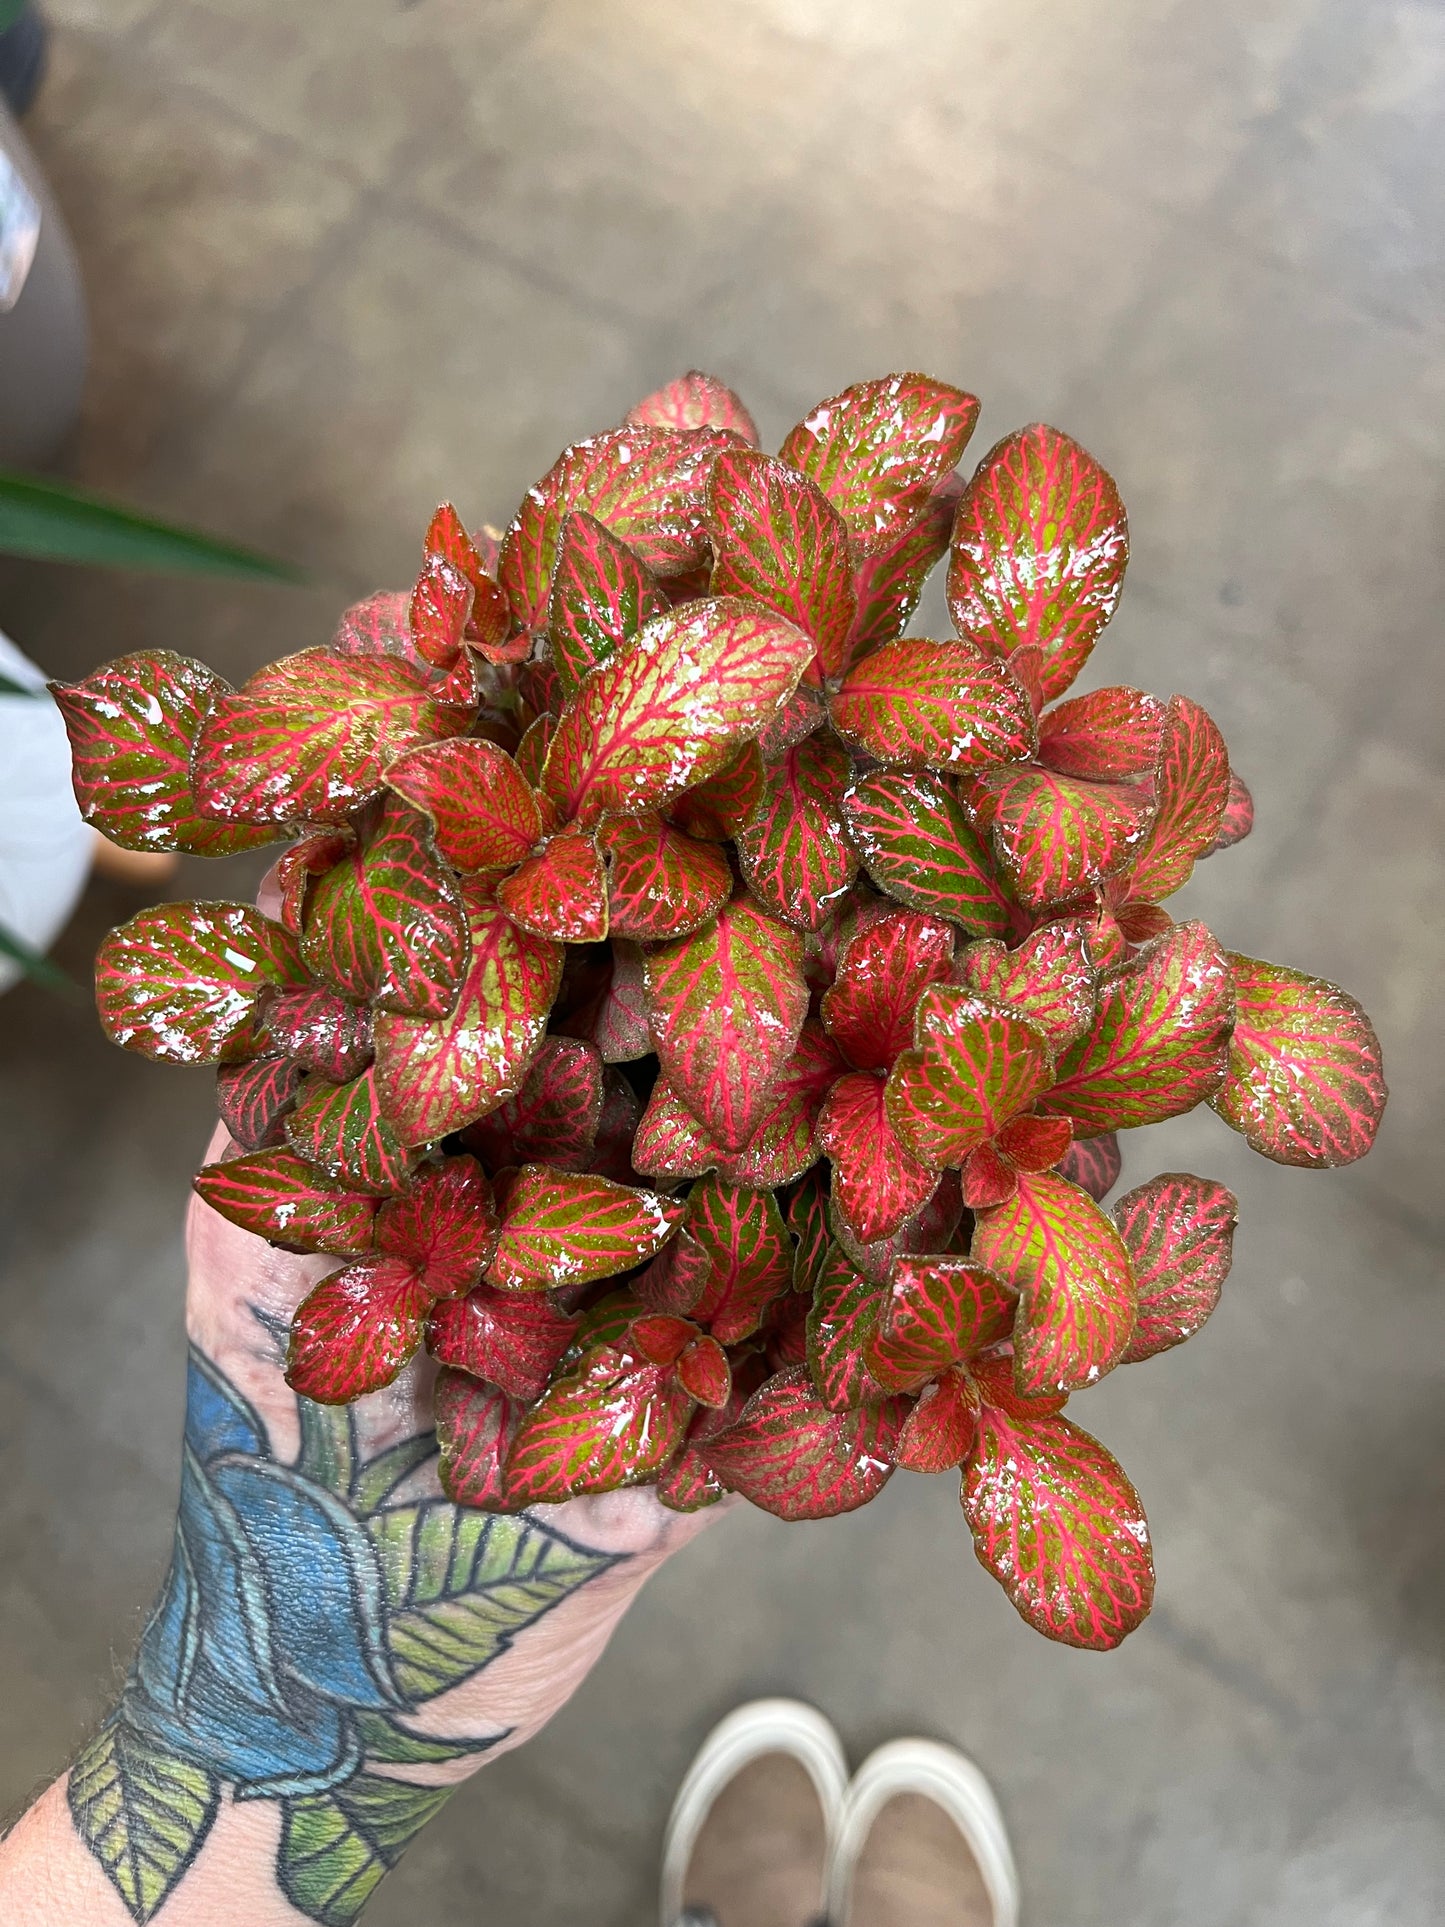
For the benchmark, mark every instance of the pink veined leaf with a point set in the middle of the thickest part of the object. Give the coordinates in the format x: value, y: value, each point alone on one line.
x: 439, y: 612
x: 1305, y: 1082
x: 782, y: 1146
x: 885, y: 969
x: 934, y: 1313
x: 613, y: 1421
x: 785, y: 1332
x: 1191, y: 789
x: 355, y: 1331
x: 1058, y: 1524
x: 1035, y: 1143
x: 483, y: 813
x: 619, y: 1025
x: 611, y: 1155
x: 561, y: 892
x: 794, y: 1458
x: 491, y: 618
x: 570, y: 1228
x: 387, y: 923
x: 437, y: 1076
x: 1071, y: 1268
x: 975, y: 1066
x: 183, y: 982
x: 930, y: 1230
x: 808, y: 1223
x: 720, y: 807
x: 1106, y: 736
x: 279, y: 1196
x: 987, y: 1176
x: 476, y: 1425
x: 670, y: 1143
x: 1040, y: 544
x: 602, y: 595
x: 131, y: 725
x: 1050, y: 980
x: 937, y: 1433
x: 661, y: 1337
x: 879, y: 449
x: 1238, y: 819
x: 993, y: 1374
x: 889, y: 581
x: 934, y: 705
x: 298, y: 867
x: 1159, y: 1040
x: 919, y: 847
x: 803, y: 712
x: 840, y: 1324
x: 445, y: 1225
x: 321, y: 1031
x: 1179, y: 1233
x: 859, y: 911
x: 1058, y: 835
x: 795, y: 855
x: 673, y: 707
x: 780, y: 541
x: 878, y: 1183
x: 660, y: 883
x: 677, y: 1277
x: 695, y: 400
x: 740, y: 1231
x: 378, y: 625
x: 537, y: 689
x: 310, y: 738
x: 727, y: 1006
x: 554, y: 1118
x: 342, y: 1129
x: 253, y: 1100
x: 705, y: 1375
x: 531, y: 751
x: 1094, y: 1165
x: 513, y: 1340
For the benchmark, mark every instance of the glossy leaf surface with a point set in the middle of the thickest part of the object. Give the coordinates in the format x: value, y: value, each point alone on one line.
x: 937, y: 1433
x: 868, y: 1010
x: 183, y: 982
x: 740, y: 1231
x: 322, y: 1031
x: 878, y: 1182
x: 1191, y: 790
x: 355, y: 1331
x: 840, y: 1323
x: 561, y: 892
x: 1179, y: 1233
x: 613, y: 1421
x: 695, y: 400
x: 660, y: 883
x: 919, y: 846
x: 483, y: 813
x: 934, y: 1312
x: 513, y: 1340
x: 779, y: 540
x: 795, y: 1458
x: 1058, y: 835
x: 554, y: 1118
x: 570, y: 1227
x: 795, y: 856
x: 975, y: 1067
x: 889, y: 581
x: 1049, y: 979
x: 1106, y: 735
x: 343, y: 1129
x: 253, y: 1100
x: 602, y: 595
x: 445, y: 1225
x: 934, y: 705
x: 279, y: 1196
x: 476, y: 1425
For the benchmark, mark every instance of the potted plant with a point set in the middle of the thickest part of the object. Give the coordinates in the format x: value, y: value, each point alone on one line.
x: 702, y: 1016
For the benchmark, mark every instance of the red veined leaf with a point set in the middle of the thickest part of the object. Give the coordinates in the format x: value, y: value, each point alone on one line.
x: 1138, y: 922
x: 1050, y: 979
x: 883, y: 972
x: 321, y: 1031
x: 483, y: 813
x: 387, y: 922
x: 879, y: 449
x: 1060, y: 1527
x: 437, y: 1076
x: 931, y: 1229
x: 1094, y: 1165
x: 644, y: 484
x: 1107, y: 735
x: 570, y: 1227
x: 661, y: 1337
x: 355, y: 1331
x: 877, y: 1181
x: 612, y: 1421
x: 987, y: 1176
x: 1238, y: 819
x: 670, y: 1143
x: 555, y: 1116
x: 299, y: 866
x: 800, y: 715
x: 618, y: 1024
x: 1035, y: 1143
x: 310, y: 737
x: 608, y: 1320
x: 685, y: 1484
x: 602, y: 595
x: 740, y: 1231
x: 561, y: 892
x: 859, y: 911
x: 1191, y: 789
x: 808, y: 1222
x: 695, y: 400
x: 727, y: 1005
x: 1159, y: 1039
x: 780, y: 541
x: 1057, y: 835
x: 918, y: 846
x: 131, y: 725
x: 379, y: 625
x: 1070, y: 1266
x: 445, y: 1225
x: 938, y: 1432
x: 720, y: 807
x: 840, y: 1324
x: 994, y: 1375
x: 795, y: 856
x: 934, y: 1313
x: 530, y: 754
x: 1040, y: 543
x: 440, y: 609
x: 781, y: 1148
x: 182, y: 982
x: 611, y: 1155
x: 1305, y: 1082
x: 705, y: 1375
x: 514, y: 1340
x: 342, y: 1130
x: 491, y: 617
x: 677, y: 1276
x: 660, y: 883
x: 476, y: 1425
x: 278, y: 1196
x: 794, y: 1458
x: 673, y: 707
x: 785, y: 1332
x: 253, y: 1100
x: 889, y: 581
x: 939, y: 705
x: 976, y: 1065
x: 1179, y: 1233
x: 538, y: 691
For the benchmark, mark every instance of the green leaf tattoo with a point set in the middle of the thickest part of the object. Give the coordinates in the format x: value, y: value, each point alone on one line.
x: 142, y: 1813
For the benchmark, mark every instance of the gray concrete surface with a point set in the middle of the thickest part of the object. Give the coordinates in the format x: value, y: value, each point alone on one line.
x: 343, y: 261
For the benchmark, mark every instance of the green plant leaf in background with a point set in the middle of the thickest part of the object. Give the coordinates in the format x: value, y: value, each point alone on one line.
x: 34, y: 965
x: 52, y: 522
x: 10, y: 12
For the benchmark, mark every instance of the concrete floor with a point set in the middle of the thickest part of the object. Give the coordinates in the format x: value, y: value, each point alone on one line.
x: 344, y: 261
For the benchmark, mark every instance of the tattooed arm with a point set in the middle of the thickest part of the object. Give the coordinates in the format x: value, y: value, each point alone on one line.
x: 335, y: 1649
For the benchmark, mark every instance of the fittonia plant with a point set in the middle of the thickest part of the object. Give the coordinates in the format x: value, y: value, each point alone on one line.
x: 700, y: 1015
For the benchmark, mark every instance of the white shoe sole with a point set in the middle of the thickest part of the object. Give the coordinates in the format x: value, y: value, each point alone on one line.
x: 954, y: 1783
x: 749, y: 1733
